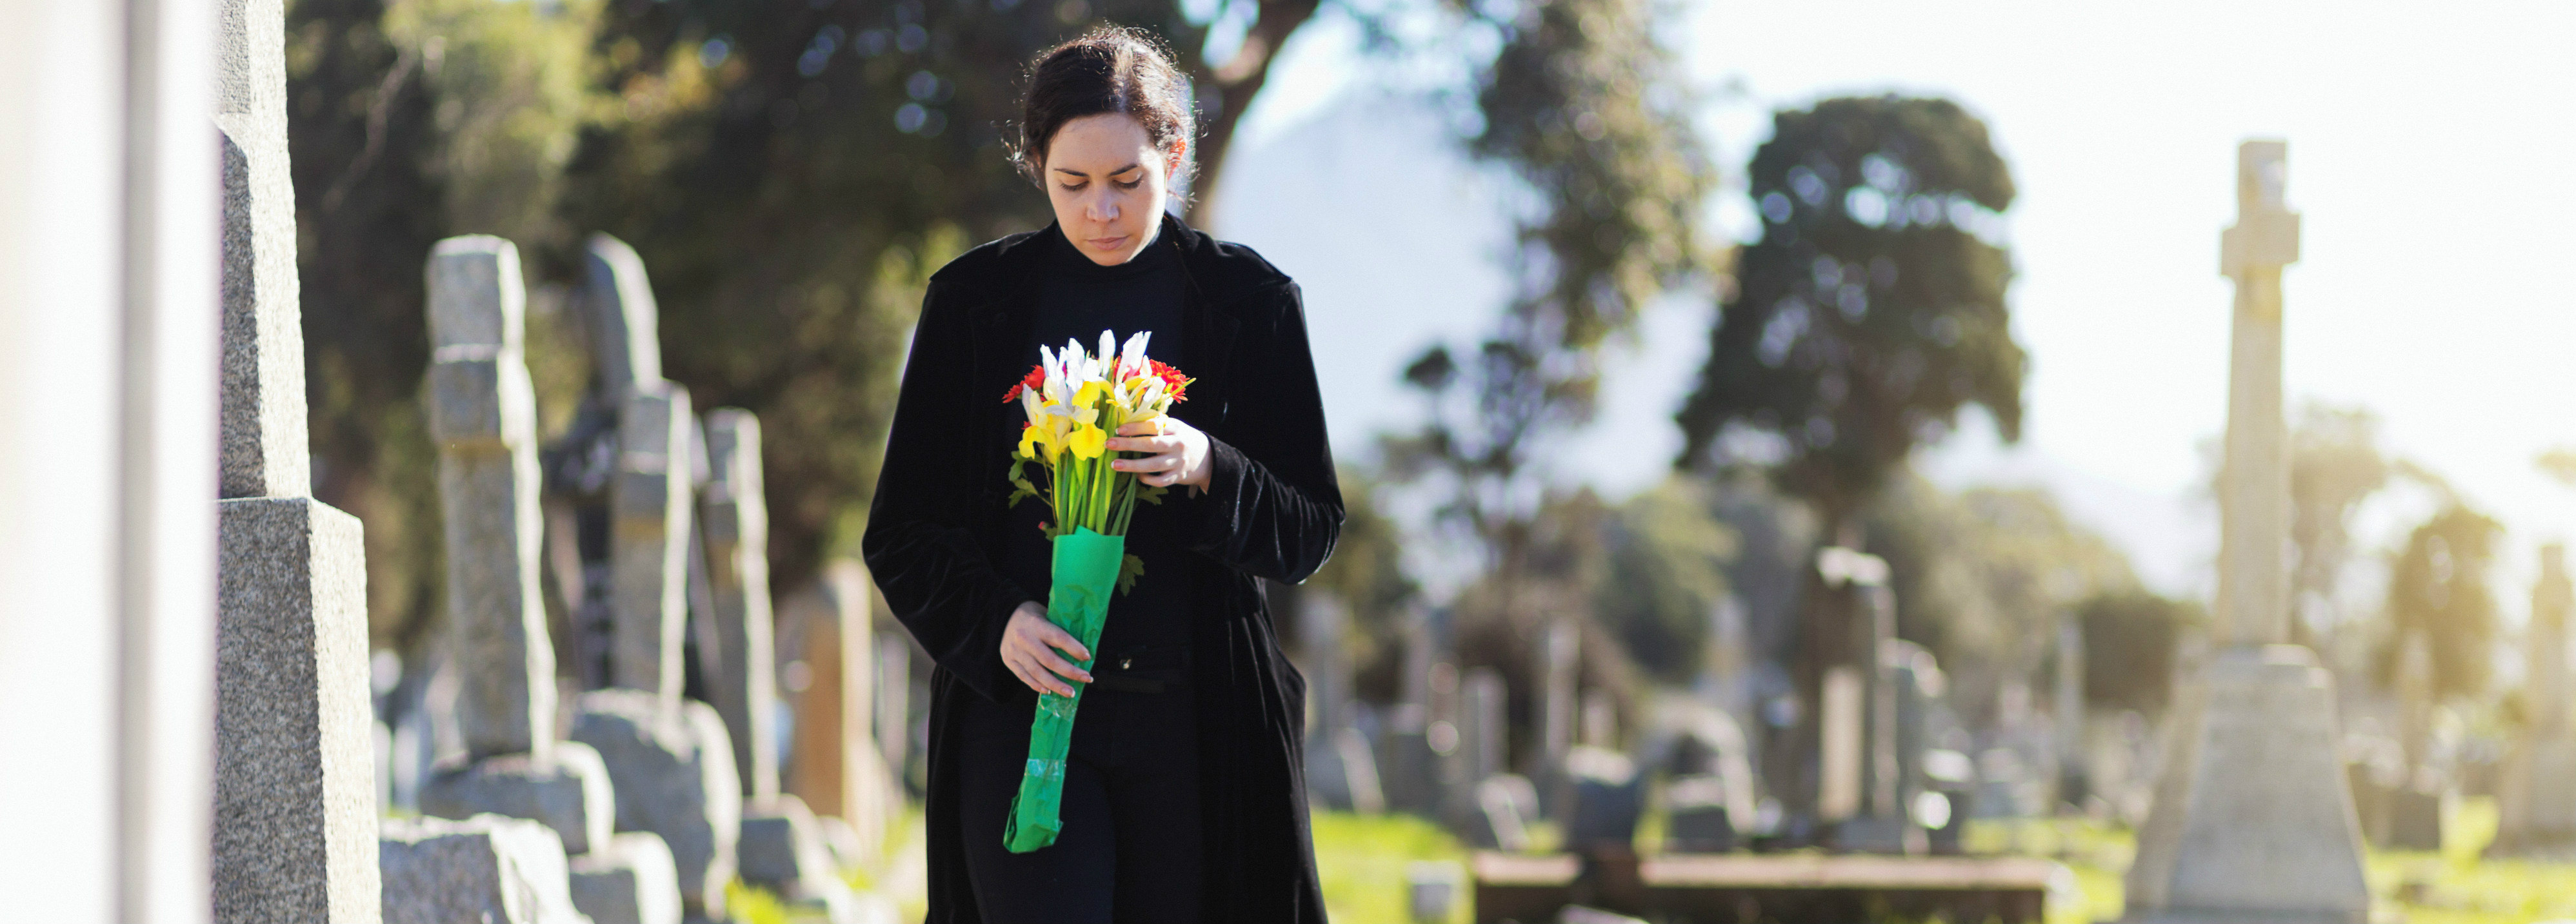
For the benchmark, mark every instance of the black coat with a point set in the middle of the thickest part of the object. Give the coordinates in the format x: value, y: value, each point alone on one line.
x: 1273, y: 510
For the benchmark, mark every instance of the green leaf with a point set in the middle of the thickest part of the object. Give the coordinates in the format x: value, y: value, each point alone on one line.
x: 1149, y: 493
x: 1129, y: 569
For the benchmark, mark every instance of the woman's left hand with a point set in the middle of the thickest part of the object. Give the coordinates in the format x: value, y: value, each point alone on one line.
x: 1179, y: 452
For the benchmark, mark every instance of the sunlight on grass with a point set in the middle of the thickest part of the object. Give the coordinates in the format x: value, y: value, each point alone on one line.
x: 1362, y: 861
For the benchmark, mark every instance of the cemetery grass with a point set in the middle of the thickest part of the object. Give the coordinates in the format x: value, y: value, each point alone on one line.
x: 1361, y: 860
x: 2450, y: 886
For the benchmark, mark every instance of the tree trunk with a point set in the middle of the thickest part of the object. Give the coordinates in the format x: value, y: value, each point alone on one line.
x: 1237, y: 82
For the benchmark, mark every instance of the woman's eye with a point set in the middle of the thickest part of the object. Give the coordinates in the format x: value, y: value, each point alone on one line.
x: 1131, y: 184
x: 1077, y: 187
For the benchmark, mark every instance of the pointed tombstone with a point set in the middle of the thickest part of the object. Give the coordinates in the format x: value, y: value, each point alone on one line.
x: 2252, y: 820
x: 295, y: 803
x: 670, y: 760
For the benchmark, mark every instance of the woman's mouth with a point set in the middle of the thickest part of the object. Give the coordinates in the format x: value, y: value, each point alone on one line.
x: 1107, y: 243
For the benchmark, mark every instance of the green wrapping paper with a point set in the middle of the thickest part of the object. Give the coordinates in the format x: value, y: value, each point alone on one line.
x: 1086, y: 570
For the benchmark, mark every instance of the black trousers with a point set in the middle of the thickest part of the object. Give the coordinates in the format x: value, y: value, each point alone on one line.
x: 1129, y: 851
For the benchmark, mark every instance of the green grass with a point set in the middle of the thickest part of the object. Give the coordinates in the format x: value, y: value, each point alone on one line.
x: 2449, y: 886
x: 1362, y: 861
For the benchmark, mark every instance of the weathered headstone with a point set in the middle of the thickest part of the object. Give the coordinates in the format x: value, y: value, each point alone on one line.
x: 630, y: 879
x: 1698, y: 818
x: 893, y: 703
x: 2252, y: 821
x: 670, y: 760
x: 1609, y: 798
x: 2538, y: 791
x: 834, y: 764
x: 2066, y: 715
x: 482, y: 414
x: 487, y: 869
x: 1559, y: 669
x: 295, y: 804
x: 1481, y: 722
x: 737, y: 540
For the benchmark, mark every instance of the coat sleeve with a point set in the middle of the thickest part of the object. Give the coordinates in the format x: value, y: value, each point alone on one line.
x: 919, y: 544
x: 1273, y: 507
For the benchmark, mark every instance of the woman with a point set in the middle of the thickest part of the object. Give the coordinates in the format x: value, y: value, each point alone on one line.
x: 1184, y: 797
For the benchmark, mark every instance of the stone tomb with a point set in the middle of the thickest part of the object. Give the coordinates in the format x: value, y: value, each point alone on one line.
x: 294, y: 821
x: 2538, y: 796
x: 482, y: 412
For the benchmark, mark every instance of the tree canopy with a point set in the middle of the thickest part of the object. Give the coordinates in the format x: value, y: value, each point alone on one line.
x: 1872, y: 309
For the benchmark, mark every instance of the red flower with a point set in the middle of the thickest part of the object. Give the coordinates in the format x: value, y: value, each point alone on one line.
x: 1174, y: 383
x: 1035, y: 380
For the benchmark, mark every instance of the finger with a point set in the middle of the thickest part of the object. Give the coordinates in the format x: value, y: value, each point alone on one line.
x: 1158, y: 463
x: 1152, y: 444
x: 1063, y: 668
x: 1141, y: 428
x: 1064, y: 641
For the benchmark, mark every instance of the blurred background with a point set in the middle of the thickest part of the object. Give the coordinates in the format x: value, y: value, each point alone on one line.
x: 1623, y: 310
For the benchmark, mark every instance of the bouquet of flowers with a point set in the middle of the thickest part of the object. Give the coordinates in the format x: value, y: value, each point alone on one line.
x: 1075, y: 401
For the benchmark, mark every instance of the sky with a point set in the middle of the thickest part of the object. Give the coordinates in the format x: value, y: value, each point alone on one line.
x: 2429, y: 151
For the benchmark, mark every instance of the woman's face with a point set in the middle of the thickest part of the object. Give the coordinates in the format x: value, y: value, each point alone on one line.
x: 1108, y: 185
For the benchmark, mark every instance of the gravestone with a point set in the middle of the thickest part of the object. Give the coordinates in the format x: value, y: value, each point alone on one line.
x: 482, y: 414
x: 295, y: 804
x: 2252, y: 821
x: 2066, y: 715
x: 736, y: 518
x: 834, y: 765
x: 1481, y: 723
x: 1862, y: 786
x: 487, y: 869
x: 781, y: 847
x: 632, y: 878
x: 2538, y: 790
x: 670, y: 760
x: 893, y: 704
x: 1558, y: 670
x: 1698, y: 819
x: 1609, y: 798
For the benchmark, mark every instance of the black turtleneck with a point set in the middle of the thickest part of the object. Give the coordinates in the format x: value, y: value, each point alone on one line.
x: 1077, y: 299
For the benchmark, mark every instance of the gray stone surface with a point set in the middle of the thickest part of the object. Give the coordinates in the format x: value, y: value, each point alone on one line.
x: 624, y: 322
x: 783, y: 849
x: 568, y: 792
x: 2252, y: 821
x: 486, y: 870
x: 629, y: 881
x: 736, y: 530
x: 295, y: 802
x: 482, y: 413
x: 649, y: 541
x: 849, y: 851
x: 673, y: 776
x: 263, y: 417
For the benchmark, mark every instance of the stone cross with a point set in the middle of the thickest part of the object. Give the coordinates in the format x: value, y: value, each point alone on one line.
x: 482, y: 412
x: 650, y: 516
x: 2254, y: 486
x: 2253, y: 819
x: 737, y: 539
x: 295, y: 803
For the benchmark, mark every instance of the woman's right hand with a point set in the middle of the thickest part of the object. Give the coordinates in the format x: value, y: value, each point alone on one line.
x: 1029, y: 647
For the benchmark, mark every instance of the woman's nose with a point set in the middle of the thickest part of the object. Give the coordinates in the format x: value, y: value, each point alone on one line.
x: 1102, y: 208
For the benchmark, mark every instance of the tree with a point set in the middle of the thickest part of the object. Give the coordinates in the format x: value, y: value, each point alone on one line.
x: 2438, y: 594
x: 1585, y: 108
x: 1870, y: 311
x: 2335, y: 465
x: 1668, y: 556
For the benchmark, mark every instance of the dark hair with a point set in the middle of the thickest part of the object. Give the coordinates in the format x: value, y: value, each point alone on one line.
x: 1108, y: 69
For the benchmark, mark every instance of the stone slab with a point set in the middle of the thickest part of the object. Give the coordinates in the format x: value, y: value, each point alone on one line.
x: 265, y: 452
x: 735, y: 527
x: 487, y: 869
x: 2252, y: 821
x: 673, y: 776
x: 295, y: 800
x: 569, y: 793
x: 630, y: 880
x: 649, y: 540
x: 624, y: 321
x: 783, y: 849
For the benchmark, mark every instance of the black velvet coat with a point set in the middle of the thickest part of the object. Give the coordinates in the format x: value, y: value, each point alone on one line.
x: 1272, y: 511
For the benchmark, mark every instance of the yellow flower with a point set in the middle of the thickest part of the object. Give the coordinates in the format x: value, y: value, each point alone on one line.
x: 1031, y: 438
x: 1092, y: 391
x: 1088, y: 441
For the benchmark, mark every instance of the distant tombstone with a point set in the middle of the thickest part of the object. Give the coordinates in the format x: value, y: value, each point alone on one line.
x: 834, y: 764
x: 1559, y: 669
x: 893, y: 702
x: 1431, y: 890
x: 486, y: 869
x: 671, y: 760
x: 2537, y: 792
x: 482, y: 413
x: 1697, y: 817
x: 735, y: 520
x: 1504, y: 806
x: 295, y: 809
x: 1609, y: 798
x: 1481, y: 726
